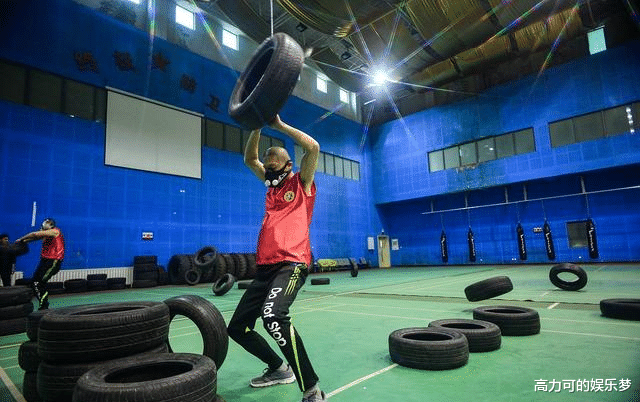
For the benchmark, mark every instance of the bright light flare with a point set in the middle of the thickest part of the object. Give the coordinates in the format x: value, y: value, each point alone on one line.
x: 380, y: 77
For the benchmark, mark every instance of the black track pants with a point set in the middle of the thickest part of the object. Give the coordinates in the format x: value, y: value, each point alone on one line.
x: 45, y: 270
x: 269, y: 296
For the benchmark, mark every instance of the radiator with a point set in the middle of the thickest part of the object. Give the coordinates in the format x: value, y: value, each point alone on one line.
x: 66, y: 274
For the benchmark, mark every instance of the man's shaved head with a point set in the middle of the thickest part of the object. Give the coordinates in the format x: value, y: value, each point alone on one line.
x: 278, y: 152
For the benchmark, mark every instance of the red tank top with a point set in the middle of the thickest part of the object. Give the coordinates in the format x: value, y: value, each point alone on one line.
x: 285, y: 228
x: 53, y: 247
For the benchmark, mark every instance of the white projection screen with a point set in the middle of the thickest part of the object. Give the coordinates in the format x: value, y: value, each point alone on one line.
x: 148, y: 136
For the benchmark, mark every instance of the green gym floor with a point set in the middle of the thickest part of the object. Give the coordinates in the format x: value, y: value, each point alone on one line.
x: 345, y: 326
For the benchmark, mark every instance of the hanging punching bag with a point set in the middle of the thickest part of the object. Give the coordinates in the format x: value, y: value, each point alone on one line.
x: 548, y: 241
x: 472, y: 246
x: 522, y: 246
x: 592, y: 243
x: 444, y: 249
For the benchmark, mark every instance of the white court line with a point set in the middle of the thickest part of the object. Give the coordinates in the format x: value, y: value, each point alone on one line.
x: 383, y: 315
x: 544, y: 294
x: 359, y: 380
x: 11, y: 386
x: 15, y: 345
x: 8, y: 358
x: 598, y: 335
x: 552, y: 306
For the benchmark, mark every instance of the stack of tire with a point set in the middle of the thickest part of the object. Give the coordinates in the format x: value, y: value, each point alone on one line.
x: 147, y: 273
x: 65, y: 343
x: 71, y: 349
x: 208, y: 266
x: 15, y: 306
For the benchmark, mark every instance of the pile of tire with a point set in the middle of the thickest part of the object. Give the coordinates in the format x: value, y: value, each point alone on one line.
x: 67, y: 342
x: 15, y: 306
x: 147, y: 273
x: 71, y: 352
x: 207, y: 265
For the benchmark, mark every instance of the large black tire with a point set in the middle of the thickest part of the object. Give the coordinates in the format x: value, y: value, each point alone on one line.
x: 174, y: 377
x: 28, y: 358
x: 267, y: 81
x: 488, y: 288
x: 320, y: 281
x: 97, y: 277
x: 16, y: 311
x: 33, y: 322
x: 625, y: 309
x: 116, y: 283
x: 13, y: 326
x: 192, y: 276
x: 178, y: 265
x: 566, y: 285
x: 241, y: 264
x: 252, y: 267
x: 97, y: 285
x: 96, y: 332
x: 205, y: 258
x: 11, y: 296
x: 230, y: 263
x: 513, y: 321
x: 428, y: 348
x: 221, y: 267
x: 209, y: 321
x: 75, y: 285
x: 29, y: 388
x: 145, y: 259
x: 57, y: 381
x: 483, y: 336
x: 223, y: 284
x: 354, y: 267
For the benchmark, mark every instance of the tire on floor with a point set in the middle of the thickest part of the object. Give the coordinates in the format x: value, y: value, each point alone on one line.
x: 483, y: 336
x: 428, y: 348
x: 488, y: 288
x: 96, y: 332
x: 209, y: 321
x: 512, y: 320
x: 568, y: 285
x: 223, y: 284
x: 624, y: 309
x: 175, y: 377
x: 57, y: 381
x: 320, y: 281
x: 267, y: 81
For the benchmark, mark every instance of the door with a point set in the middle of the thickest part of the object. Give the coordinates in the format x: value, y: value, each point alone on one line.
x: 384, y: 254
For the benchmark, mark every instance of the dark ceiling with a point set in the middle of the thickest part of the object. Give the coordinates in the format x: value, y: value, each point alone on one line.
x: 433, y: 51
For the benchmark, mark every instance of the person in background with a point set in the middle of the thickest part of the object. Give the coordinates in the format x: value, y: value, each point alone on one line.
x: 51, y: 258
x: 8, y: 254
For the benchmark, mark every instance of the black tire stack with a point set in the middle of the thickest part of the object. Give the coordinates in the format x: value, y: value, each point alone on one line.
x: 145, y: 271
x: 65, y: 343
x: 208, y: 266
x: 15, y: 306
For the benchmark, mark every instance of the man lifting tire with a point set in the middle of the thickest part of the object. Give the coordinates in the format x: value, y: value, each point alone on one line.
x: 51, y: 258
x: 283, y: 259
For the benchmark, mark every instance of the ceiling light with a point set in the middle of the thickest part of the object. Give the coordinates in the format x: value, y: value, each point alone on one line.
x: 380, y: 77
x: 301, y: 27
x: 345, y: 56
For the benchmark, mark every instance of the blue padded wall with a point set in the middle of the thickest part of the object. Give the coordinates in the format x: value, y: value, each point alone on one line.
x: 404, y: 187
x: 57, y: 161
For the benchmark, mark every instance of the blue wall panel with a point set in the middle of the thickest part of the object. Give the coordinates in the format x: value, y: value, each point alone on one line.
x: 401, y: 175
x: 58, y: 161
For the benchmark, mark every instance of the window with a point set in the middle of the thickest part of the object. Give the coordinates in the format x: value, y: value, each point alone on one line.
x: 597, y: 42
x: 135, y: 1
x: 344, y: 96
x: 588, y: 127
x: 321, y: 84
x: 505, y: 146
x: 355, y: 171
x: 185, y: 17
x: 45, y: 91
x: 451, y: 158
x: 524, y: 141
x: 486, y: 149
x: 436, y: 161
x: 617, y: 120
x: 577, y: 233
x: 12, y: 82
x: 229, y: 39
x: 329, y: 166
x: 468, y: 154
x: 78, y: 100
